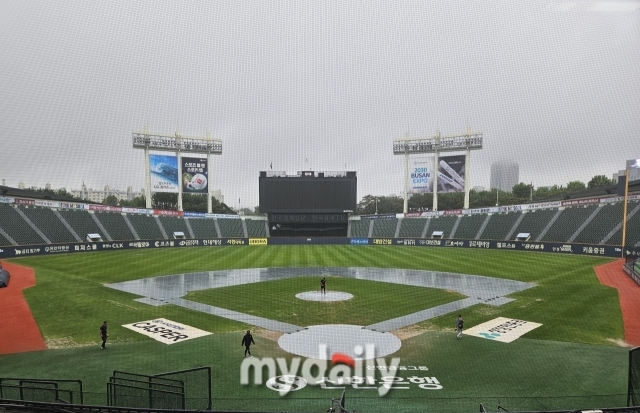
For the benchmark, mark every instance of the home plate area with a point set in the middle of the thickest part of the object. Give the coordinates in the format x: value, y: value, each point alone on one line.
x: 322, y: 341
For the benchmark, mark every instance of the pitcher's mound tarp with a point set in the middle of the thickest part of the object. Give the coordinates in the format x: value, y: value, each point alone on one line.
x: 4, y: 278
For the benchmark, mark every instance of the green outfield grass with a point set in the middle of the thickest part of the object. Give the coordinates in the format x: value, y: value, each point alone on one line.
x: 574, y: 353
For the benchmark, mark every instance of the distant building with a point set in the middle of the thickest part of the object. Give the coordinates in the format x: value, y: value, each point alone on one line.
x: 621, y: 172
x: 504, y: 175
x: 96, y: 195
x: 217, y: 194
x: 633, y: 166
x: 478, y: 189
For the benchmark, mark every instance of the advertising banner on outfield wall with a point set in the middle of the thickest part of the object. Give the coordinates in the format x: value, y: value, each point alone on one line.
x: 582, y: 249
x: 195, y: 175
x: 164, y: 173
x: 107, y: 208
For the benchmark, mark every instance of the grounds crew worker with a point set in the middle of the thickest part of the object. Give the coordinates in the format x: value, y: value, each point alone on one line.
x: 247, y: 340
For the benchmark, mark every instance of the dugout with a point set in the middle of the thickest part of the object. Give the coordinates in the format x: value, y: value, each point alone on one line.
x: 4, y: 278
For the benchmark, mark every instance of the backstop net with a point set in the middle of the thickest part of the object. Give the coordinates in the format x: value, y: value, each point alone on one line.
x: 197, y: 386
x: 633, y: 395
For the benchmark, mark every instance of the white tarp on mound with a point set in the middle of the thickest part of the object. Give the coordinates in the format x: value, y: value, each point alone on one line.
x: 502, y: 329
x: 166, y: 331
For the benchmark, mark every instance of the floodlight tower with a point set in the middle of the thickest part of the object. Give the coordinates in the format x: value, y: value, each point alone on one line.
x: 436, y: 144
x: 176, y: 144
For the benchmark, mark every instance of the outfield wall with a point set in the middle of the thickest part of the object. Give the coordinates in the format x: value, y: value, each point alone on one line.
x: 84, y: 247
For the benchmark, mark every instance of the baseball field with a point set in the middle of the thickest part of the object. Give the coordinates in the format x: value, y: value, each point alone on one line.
x: 575, y: 357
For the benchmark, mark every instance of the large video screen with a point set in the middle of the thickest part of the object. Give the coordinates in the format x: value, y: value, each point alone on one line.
x: 308, y: 194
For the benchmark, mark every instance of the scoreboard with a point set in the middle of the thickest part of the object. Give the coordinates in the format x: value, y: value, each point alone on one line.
x: 308, y: 193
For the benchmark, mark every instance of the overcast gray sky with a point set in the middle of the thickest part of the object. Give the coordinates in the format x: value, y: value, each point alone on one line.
x: 554, y: 86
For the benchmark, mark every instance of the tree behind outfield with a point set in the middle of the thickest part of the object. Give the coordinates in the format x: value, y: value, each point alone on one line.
x: 110, y: 200
x: 576, y: 186
x: 599, y: 181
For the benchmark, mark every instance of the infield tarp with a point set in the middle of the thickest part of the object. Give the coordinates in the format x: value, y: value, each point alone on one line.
x: 4, y: 278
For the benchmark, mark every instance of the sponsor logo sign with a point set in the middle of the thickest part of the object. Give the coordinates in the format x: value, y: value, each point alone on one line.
x: 6, y: 200
x: 137, y: 210
x: 502, y: 329
x: 581, y: 201
x: 225, y: 216
x: 382, y: 241
x: 50, y: 204
x: 109, y: 208
x: 257, y: 241
x: 73, y: 205
x: 236, y: 241
x: 195, y: 214
x: 452, y: 212
x: 359, y: 241
x: 166, y: 331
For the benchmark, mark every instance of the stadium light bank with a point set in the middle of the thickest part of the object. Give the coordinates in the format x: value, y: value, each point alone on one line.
x: 435, y: 144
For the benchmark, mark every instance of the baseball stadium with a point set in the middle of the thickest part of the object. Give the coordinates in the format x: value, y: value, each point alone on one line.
x: 548, y: 294
x: 319, y: 206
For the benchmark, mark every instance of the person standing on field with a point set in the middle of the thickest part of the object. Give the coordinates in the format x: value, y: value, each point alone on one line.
x: 323, y: 283
x: 247, y: 341
x: 459, y: 325
x: 103, y: 335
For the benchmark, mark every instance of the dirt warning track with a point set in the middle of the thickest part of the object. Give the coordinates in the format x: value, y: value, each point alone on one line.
x: 612, y: 275
x: 18, y: 329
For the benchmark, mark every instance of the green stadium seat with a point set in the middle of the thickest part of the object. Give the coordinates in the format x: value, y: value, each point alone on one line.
x: 17, y: 228
x: 204, y: 228
x: 230, y: 228
x: 256, y: 228
x: 568, y: 223
x: 81, y: 222
x: 49, y: 223
x: 385, y: 227
x: 115, y: 225
x: 412, y: 227
x: 146, y: 226
x: 360, y: 228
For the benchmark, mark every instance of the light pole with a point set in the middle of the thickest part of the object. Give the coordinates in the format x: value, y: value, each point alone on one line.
x: 497, y: 197
x: 376, y: 206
